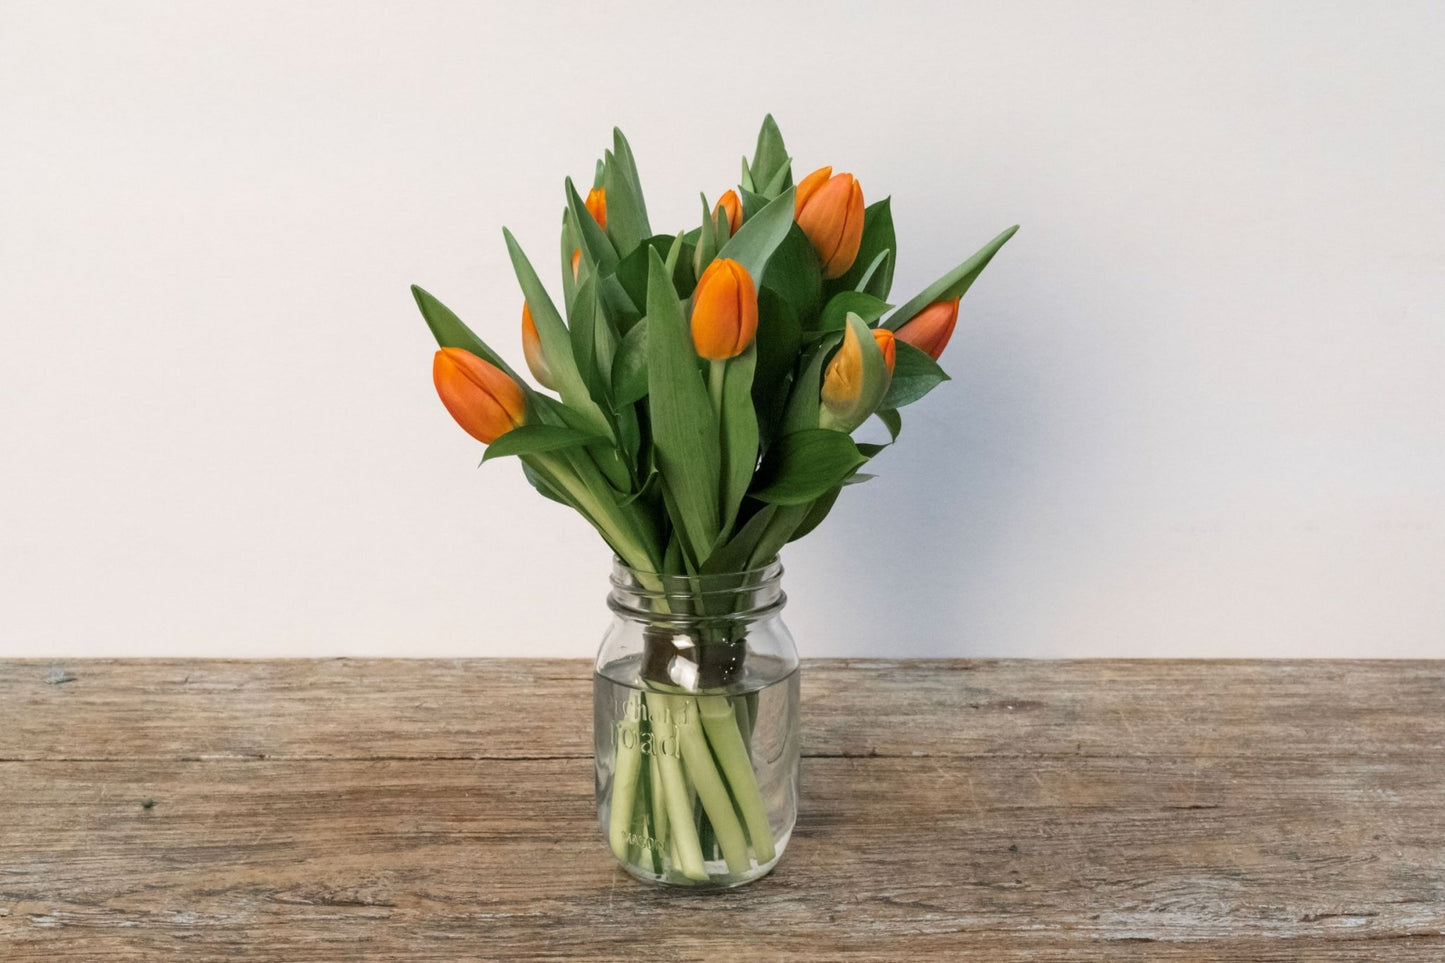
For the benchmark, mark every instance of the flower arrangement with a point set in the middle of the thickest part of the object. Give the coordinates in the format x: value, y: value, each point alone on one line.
x: 695, y: 402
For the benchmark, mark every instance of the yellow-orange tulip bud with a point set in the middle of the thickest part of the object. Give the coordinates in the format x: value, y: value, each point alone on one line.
x: 930, y: 329
x: 730, y: 205
x: 576, y: 261
x: 857, y: 378
x: 829, y: 209
x: 597, y: 206
x: 724, y: 311
x: 843, y: 381
x: 532, y: 348
x: 885, y: 339
x: 482, y: 398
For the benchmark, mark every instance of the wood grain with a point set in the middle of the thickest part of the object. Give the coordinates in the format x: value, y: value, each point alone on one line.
x: 1006, y: 810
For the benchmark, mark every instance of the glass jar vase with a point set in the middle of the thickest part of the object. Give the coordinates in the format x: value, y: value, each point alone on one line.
x: 695, y: 701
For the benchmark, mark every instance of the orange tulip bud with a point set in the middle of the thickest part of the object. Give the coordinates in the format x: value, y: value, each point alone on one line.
x: 724, y: 311
x: 843, y: 381
x: 597, y: 206
x: 930, y: 329
x: 884, y: 337
x: 480, y: 396
x: 857, y: 378
x: 532, y: 348
x: 730, y: 204
x: 829, y: 209
x: 576, y: 261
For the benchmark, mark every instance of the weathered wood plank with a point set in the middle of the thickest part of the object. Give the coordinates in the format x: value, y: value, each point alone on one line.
x: 266, y: 860
x: 951, y: 810
x: 467, y: 709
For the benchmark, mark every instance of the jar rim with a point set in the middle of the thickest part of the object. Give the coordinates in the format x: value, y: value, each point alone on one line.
x: 769, y: 571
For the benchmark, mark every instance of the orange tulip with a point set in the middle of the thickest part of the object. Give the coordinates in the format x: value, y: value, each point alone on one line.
x: 532, y: 348
x: 730, y: 204
x: 576, y: 261
x: 480, y: 396
x: 724, y: 311
x: 884, y: 337
x: 829, y: 209
x: 597, y: 206
x: 930, y: 329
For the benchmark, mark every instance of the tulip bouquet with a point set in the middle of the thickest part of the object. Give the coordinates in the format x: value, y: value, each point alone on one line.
x: 695, y: 399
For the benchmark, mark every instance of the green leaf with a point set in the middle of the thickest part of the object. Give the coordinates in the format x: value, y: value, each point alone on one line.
x: 534, y: 439
x: 839, y: 306
x: 795, y: 273
x: 450, y: 332
x: 818, y: 510
x: 556, y: 340
x: 543, y: 488
x: 892, y: 420
x: 632, y: 270
x: 596, y: 245
x: 629, y: 367
x: 584, y: 335
x: 915, y: 374
x: 778, y: 341
x: 878, y: 239
x: 760, y: 235
x: 770, y: 157
x: 803, y: 465
x: 626, y: 223
x: 684, y: 429
x: 952, y: 285
x: 804, y: 401
x: 739, y: 432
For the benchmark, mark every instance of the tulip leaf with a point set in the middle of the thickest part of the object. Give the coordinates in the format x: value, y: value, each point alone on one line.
x: 778, y: 341
x: 584, y: 334
x: 803, y: 465
x: 543, y: 488
x: 752, y: 202
x: 534, y: 439
x: 891, y: 419
x: 556, y: 341
x: 839, y: 306
x: 818, y: 510
x: 632, y: 270
x: 883, y: 260
x: 739, y: 432
x: 629, y: 367
x: 760, y: 235
x: 794, y: 272
x: 770, y: 159
x: 620, y: 180
x: 804, y: 401
x: 684, y: 428
x: 952, y: 285
x: 596, y: 245
x: 878, y: 239
x: 915, y: 374
x: 450, y: 332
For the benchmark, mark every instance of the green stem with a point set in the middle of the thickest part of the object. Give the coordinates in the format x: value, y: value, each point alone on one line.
x: 710, y: 787
x: 674, y: 790
x: 624, y: 776
x: 721, y: 724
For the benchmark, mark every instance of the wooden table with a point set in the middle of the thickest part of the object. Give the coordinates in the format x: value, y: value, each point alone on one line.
x: 989, y: 810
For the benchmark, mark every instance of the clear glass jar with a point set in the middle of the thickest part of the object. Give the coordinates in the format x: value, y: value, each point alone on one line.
x: 695, y: 701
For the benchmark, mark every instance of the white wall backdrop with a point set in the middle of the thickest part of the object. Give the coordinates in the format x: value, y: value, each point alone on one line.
x: 1197, y: 408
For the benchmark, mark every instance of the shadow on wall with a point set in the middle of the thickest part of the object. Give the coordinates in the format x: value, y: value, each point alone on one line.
x: 939, y: 519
